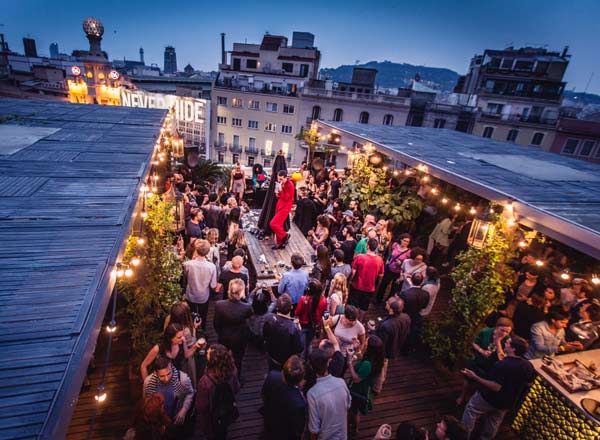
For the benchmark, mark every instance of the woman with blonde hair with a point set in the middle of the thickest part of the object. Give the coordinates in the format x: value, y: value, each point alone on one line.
x: 237, y: 241
x: 237, y: 184
x: 230, y: 321
x: 214, y: 256
x: 338, y: 294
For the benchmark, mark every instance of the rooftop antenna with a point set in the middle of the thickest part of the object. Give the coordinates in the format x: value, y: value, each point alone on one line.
x: 588, y: 83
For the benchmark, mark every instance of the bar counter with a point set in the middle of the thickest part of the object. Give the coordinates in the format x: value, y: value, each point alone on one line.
x: 550, y: 411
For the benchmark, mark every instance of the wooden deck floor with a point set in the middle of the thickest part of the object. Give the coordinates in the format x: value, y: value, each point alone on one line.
x: 414, y: 391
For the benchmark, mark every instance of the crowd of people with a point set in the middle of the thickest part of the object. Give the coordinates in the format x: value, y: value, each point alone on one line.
x: 326, y: 360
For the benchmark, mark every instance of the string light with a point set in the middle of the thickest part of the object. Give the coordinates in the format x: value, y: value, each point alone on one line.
x: 111, y: 327
x: 523, y: 244
x: 128, y: 272
x: 141, y: 241
x: 595, y: 279
x: 472, y: 211
x: 511, y: 222
x: 144, y: 214
x: 407, y: 172
x: 433, y: 191
x: 135, y: 261
x: 492, y: 211
x: 457, y: 207
x: 120, y: 272
x: 101, y: 394
x: 385, y: 168
x: 395, y: 173
x: 425, y: 179
x: 539, y: 263
x: 444, y: 200
x: 565, y: 276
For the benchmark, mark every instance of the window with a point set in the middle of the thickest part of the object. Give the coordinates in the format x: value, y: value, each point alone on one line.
x: 587, y: 148
x: 237, y: 102
x: 488, y: 132
x: 304, y: 70
x: 271, y: 107
x: 524, y: 65
x: 221, y: 100
x: 250, y: 161
x: 221, y: 140
x: 236, y: 122
x: 570, y: 146
x: 439, y: 123
x: 286, y: 129
x: 507, y: 63
x: 287, y: 67
x: 235, y: 158
x: 285, y: 147
x: 253, y: 104
x: 266, y: 163
x: 288, y: 108
x: 268, y: 147
x: 269, y: 126
x: 251, y: 64
x: 236, y: 140
x: 316, y: 112
x: 363, y: 118
x: 252, y: 143
x: 388, y: 120
x: 495, y: 109
x: 338, y: 114
x: 537, y: 139
x: 489, y: 85
x: 512, y: 135
x: 221, y: 157
x: 221, y: 120
x: 236, y: 63
x: 253, y: 125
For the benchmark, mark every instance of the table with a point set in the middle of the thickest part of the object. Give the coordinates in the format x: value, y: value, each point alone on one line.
x: 550, y: 411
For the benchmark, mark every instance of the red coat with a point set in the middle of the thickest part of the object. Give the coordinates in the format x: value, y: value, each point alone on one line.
x: 286, y: 197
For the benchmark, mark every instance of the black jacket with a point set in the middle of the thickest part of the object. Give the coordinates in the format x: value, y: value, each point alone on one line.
x: 230, y: 322
x: 415, y: 300
x: 282, y: 338
x: 394, y: 331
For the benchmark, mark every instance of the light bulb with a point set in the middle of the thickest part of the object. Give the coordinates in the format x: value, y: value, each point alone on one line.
x: 407, y: 172
x: 539, y: 263
x: 565, y: 276
x: 457, y: 207
x: 111, y: 327
x: 595, y: 279
x: 434, y: 191
x: 511, y: 222
x: 140, y: 241
x: 492, y: 211
x: 128, y: 273
x: 425, y: 179
x: 155, y: 162
x: 522, y: 244
x: 155, y: 177
x: 508, y: 206
x: 385, y: 168
x: 472, y: 211
x: 395, y: 172
x: 100, y: 395
x: 444, y: 200
x: 135, y: 261
x: 120, y: 273
x: 144, y: 214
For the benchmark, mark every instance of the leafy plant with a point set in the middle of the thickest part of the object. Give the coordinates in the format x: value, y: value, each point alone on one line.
x: 155, y: 286
x: 369, y: 185
x: 310, y: 136
x: 207, y: 169
x: 481, y: 279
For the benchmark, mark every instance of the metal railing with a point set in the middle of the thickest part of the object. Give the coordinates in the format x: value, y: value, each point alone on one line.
x: 219, y: 146
x: 235, y: 148
x: 519, y: 118
x: 233, y: 85
x: 251, y: 150
x: 354, y: 96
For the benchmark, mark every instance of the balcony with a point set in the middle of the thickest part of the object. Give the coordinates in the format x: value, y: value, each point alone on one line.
x: 219, y: 146
x: 247, y: 87
x: 555, y: 97
x: 519, y: 118
x: 251, y: 150
x: 264, y: 153
x: 374, y: 98
x: 235, y: 148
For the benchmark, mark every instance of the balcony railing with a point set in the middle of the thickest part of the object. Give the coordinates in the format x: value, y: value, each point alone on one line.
x: 236, y: 148
x: 523, y: 94
x: 251, y: 150
x: 354, y: 96
x: 220, y: 146
x: 264, y: 153
x: 519, y: 118
x: 245, y: 87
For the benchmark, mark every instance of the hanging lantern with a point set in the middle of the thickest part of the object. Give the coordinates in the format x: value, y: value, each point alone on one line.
x: 480, y: 230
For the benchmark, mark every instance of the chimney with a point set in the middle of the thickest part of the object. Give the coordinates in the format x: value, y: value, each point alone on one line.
x: 564, y: 52
x: 142, y: 55
x: 223, y: 54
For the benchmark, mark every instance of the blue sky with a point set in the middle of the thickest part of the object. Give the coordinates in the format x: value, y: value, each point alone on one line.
x: 427, y: 32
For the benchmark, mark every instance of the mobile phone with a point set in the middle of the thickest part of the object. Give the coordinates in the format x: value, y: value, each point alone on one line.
x: 326, y: 314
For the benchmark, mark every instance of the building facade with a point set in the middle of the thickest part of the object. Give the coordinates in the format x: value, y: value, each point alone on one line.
x: 577, y: 138
x: 517, y: 94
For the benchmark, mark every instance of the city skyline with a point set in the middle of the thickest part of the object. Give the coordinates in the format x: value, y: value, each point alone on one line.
x: 434, y: 33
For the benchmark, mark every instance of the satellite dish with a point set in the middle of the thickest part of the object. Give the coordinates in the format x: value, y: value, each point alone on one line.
x: 317, y: 164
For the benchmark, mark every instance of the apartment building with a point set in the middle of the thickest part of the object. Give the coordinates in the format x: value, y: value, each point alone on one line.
x: 255, y: 99
x: 517, y: 94
x: 577, y: 138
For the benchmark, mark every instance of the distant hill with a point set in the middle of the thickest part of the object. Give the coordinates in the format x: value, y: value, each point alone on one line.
x: 397, y: 75
x: 582, y: 98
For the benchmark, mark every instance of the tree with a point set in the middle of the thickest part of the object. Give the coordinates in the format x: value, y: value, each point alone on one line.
x: 311, y: 137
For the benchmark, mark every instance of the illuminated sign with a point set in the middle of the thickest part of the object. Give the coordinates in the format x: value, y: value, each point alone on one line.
x: 76, y: 70
x: 186, y: 109
x: 114, y: 75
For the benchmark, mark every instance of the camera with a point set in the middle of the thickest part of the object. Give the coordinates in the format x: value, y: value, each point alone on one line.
x: 196, y: 316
